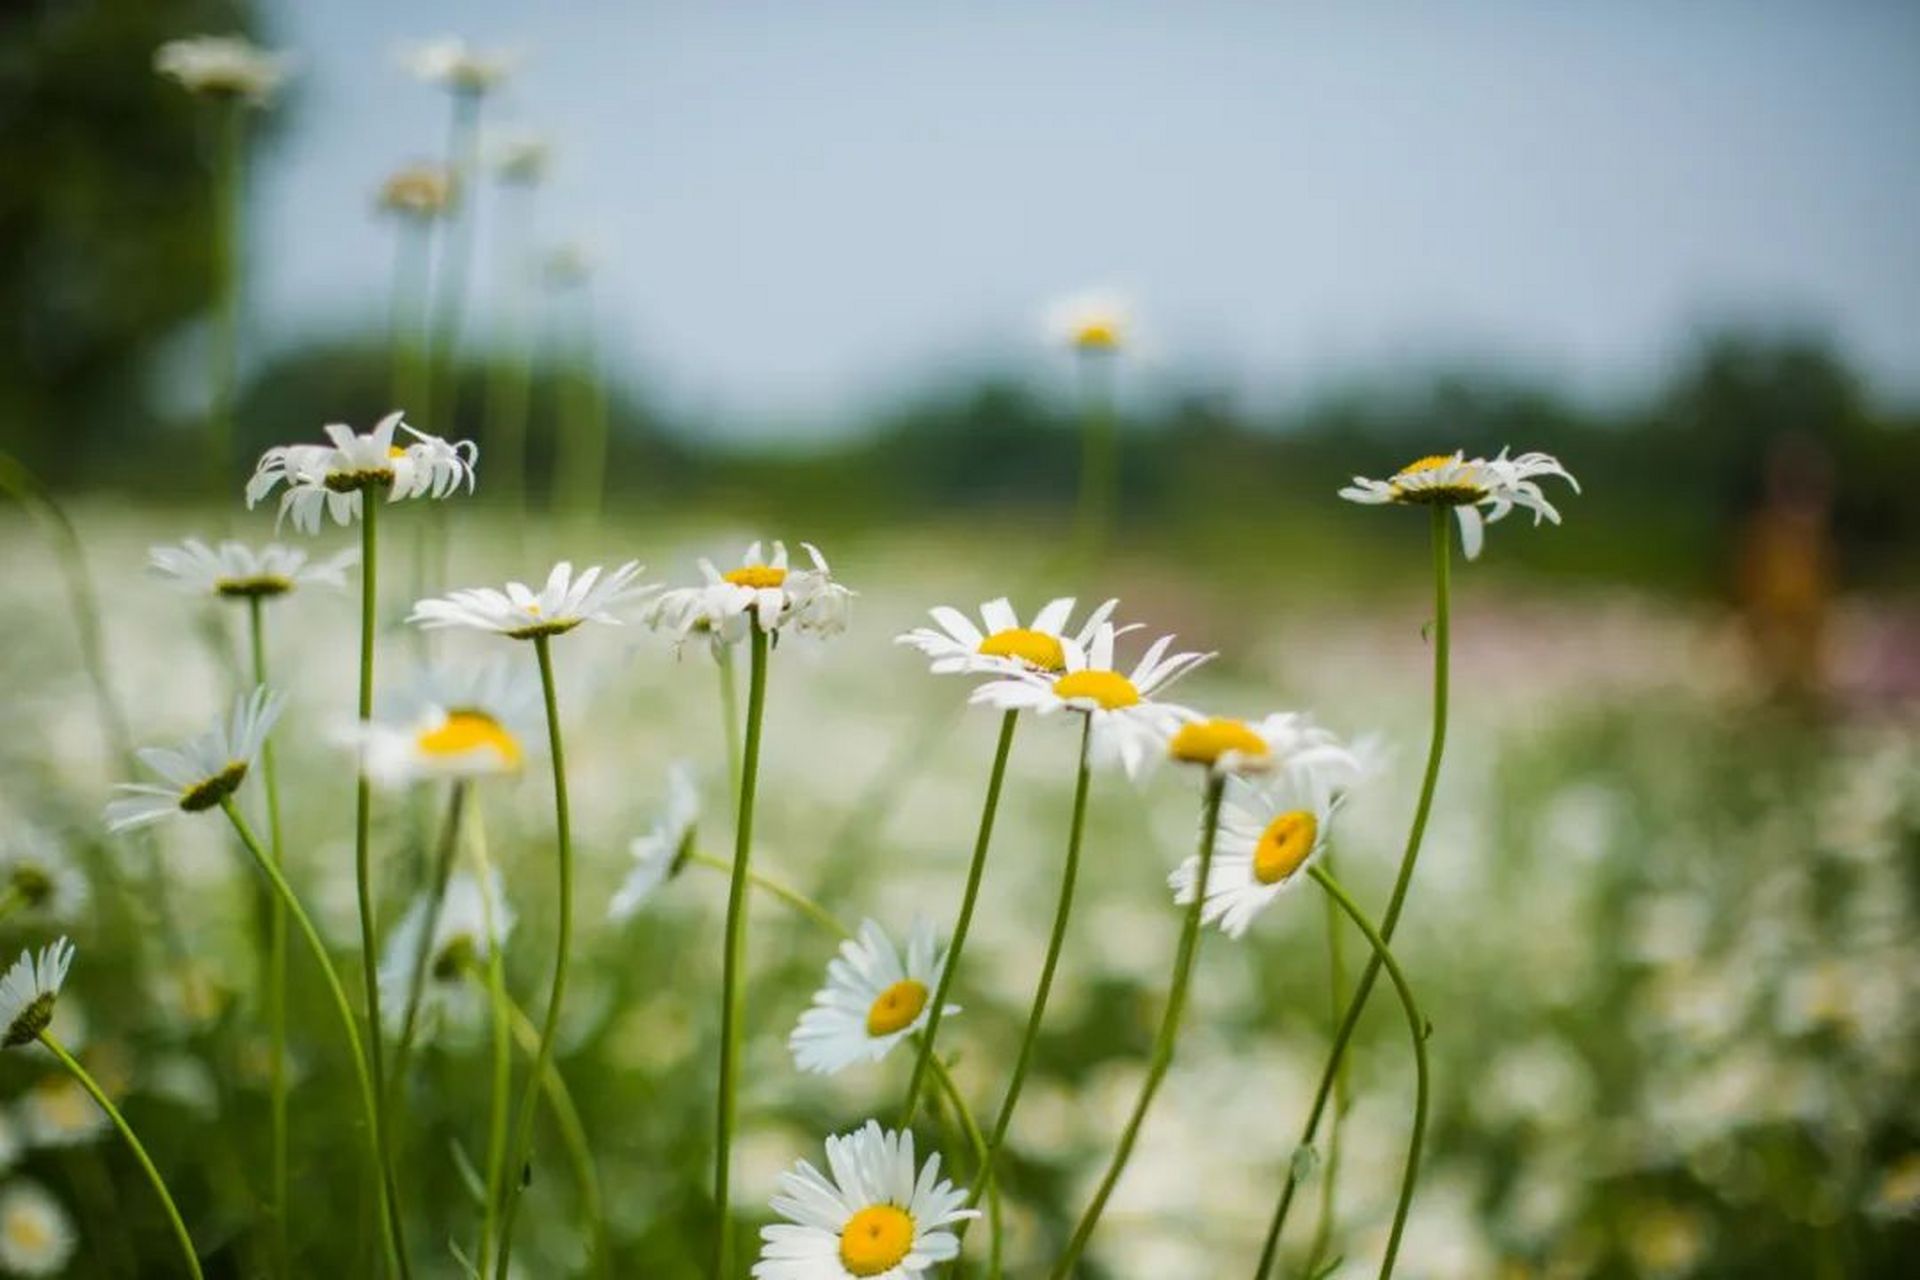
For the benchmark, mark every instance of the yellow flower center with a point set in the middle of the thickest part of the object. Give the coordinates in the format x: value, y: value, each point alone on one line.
x: 1097, y: 335
x: 395, y: 451
x: 1205, y: 741
x: 875, y: 1239
x: 1460, y: 489
x: 27, y: 1231
x: 1284, y: 845
x: 757, y: 576
x: 1035, y: 648
x: 1432, y: 462
x: 64, y: 1106
x: 896, y: 1007
x: 465, y: 732
x: 1108, y: 688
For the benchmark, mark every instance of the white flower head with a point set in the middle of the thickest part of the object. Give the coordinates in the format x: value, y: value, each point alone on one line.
x: 1285, y: 739
x: 1097, y: 322
x: 471, y: 920
x: 419, y: 191
x: 201, y: 772
x: 1271, y: 830
x: 764, y: 589
x: 1468, y: 484
x: 875, y: 1213
x: 521, y: 613
x: 36, y: 1234
x: 1128, y: 726
x: 333, y: 479
x: 999, y: 645
x: 522, y: 158
x: 453, y: 64
x: 223, y: 67
x: 468, y: 721
x: 875, y: 997
x: 659, y: 855
x: 29, y: 991
x: 236, y: 571
x: 42, y: 878
x: 58, y: 1112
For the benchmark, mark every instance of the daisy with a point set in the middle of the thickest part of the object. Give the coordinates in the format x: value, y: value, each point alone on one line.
x: 659, y: 855
x: 223, y: 67
x: 58, y: 1112
x: 1127, y: 726
x: 29, y: 990
x: 523, y: 614
x: 330, y: 479
x: 762, y: 589
x: 472, y: 919
x: 1227, y: 746
x: 422, y: 191
x: 36, y: 1235
x: 1270, y: 831
x: 523, y: 158
x: 236, y: 571
x: 457, y: 723
x: 877, y: 1215
x: 40, y: 879
x: 453, y: 64
x: 1090, y: 322
x: 999, y: 645
x: 1467, y: 484
x: 874, y: 998
x: 203, y: 771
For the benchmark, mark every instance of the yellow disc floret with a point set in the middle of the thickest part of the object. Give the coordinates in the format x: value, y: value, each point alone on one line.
x: 1035, y: 648
x: 1284, y: 846
x: 1417, y: 483
x: 1205, y: 741
x: 896, y: 1007
x: 875, y: 1239
x: 1097, y: 335
x: 757, y: 576
x: 28, y: 1232
x: 1109, y: 689
x: 1432, y: 462
x: 465, y: 732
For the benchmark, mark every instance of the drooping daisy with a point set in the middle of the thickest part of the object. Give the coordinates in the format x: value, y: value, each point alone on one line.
x: 1467, y: 484
x: 999, y: 645
x: 36, y: 1234
x: 1284, y: 739
x: 223, y: 67
x: 1129, y: 727
x: 875, y: 997
x: 203, y: 770
x: 29, y: 991
x: 659, y: 855
x: 879, y: 1214
x: 40, y: 879
x: 764, y: 589
x: 332, y: 479
x: 420, y: 191
x: 236, y: 571
x: 521, y: 613
x: 1090, y: 322
x: 456, y: 722
x: 455, y: 65
x: 58, y: 1112
x: 1270, y: 830
x: 472, y: 919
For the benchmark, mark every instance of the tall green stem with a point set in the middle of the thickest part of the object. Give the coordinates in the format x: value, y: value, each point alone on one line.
x: 456, y: 252
x: 965, y: 919
x: 734, y: 963
x: 509, y: 364
x: 423, y: 949
x: 730, y: 717
x: 276, y: 958
x: 1163, y: 1043
x: 502, y: 1073
x: 88, y: 1083
x: 228, y: 254
x: 1442, y: 570
x: 573, y: 1136
x: 1337, y: 994
x: 1099, y: 452
x: 530, y: 1097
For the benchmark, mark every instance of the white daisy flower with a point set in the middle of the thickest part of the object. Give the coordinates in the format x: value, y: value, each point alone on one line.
x: 1091, y: 322
x: 453, y: 64
x: 999, y: 645
x: 422, y: 191
x: 331, y: 479
x: 223, y: 67
x: 1467, y: 484
x: 457, y: 722
x: 659, y: 855
x: 1270, y: 831
x: 36, y: 1235
x: 1286, y: 738
x: 875, y: 997
x: 473, y: 918
x: 41, y: 879
x: 58, y: 1112
x: 522, y: 158
x: 878, y: 1215
x: 1128, y: 727
x: 203, y: 770
x: 236, y: 571
x: 29, y: 990
x: 763, y: 589
x: 524, y: 614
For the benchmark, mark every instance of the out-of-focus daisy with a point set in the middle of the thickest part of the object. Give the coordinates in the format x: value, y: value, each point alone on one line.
x: 1270, y: 830
x: 659, y: 855
x: 1128, y: 727
x: 36, y: 1235
x: 456, y: 722
x: 29, y: 991
x: 522, y: 158
x: 236, y: 571
x: 999, y: 645
x: 223, y: 67
x: 1096, y: 322
x: 453, y: 64
x: 879, y: 1214
x: 39, y: 879
x: 203, y: 770
x: 472, y: 919
x: 1467, y: 484
x: 875, y: 997
x: 521, y: 613
x: 763, y: 588
x: 422, y: 191
x: 568, y: 265
x: 1228, y: 746
x: 332, y: 478
x: 58, y: 1112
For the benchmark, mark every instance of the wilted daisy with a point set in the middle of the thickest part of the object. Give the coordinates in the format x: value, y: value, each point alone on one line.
x: 36, y: 1235
x: 1090, y: 322
x: 454, y: 722
x: 1127, y: 726
x: 875, y: 997
x: 422, y: 191
x: 999, y: 645
x: 1228, y: 746
x: 236, y: 571
x: 473, y: 918
x: 521, y: 613
x: 663, y: 850
x: 452, y: 63
x: 223, y: 67
x: 762, y: 588
x: 332, y: 478
x: 202, y: 771
x: 878, y: 1214
x: 30, y: 989
x: 1270, y: 830
x: 1467, y: 484
x: 39, y: 879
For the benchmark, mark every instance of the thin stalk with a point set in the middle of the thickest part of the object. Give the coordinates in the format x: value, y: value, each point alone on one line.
x: 1162, y: 1058
x: 456, y: 252
x: 518, y: 1148
x: 730, y: 717
x: 1442, y: 572
x: 573, y: 1136
x: 412, y: 254
x: 734, y: 963
x: 502, y: 1074
x: 509, y: 367
x: 369, y: 1098
x: 775, y: 889
x: 228, y: 255
x: 276, y: 959
x: 436, y: 896
x: 964, y: 921
x: 1099, y: 452
x: 1336, y: 993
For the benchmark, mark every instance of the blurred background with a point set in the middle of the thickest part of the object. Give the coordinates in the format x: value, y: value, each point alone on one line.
x: 693, y: 274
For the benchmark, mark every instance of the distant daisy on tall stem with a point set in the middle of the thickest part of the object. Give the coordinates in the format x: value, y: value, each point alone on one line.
x: 240, y: 573
x: 1096, y: 328
x: 520, y: 162
x: 201, y: 773
x: 39, y: 880
x: 37, y: 1236
x: 457, y: 723
x: 1465, y: 485
x: 660, y: 854
x: 876, y: 996
x: 417, y: 197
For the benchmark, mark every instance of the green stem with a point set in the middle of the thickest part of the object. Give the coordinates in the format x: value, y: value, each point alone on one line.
x: 773, y: 888
x: 1163, y: 1044
x: 1442, y: 571
x: 1099, y: 452
x: 228, y: 255
x: 1417, y: 1027
x: 965, y: 919
x: 369, y: 1098
x: 502, y: 1081
x: 733, y: 965
x: 1336, y: 993
x: 276, y: 959
x: 422, y: 953
x: 509, y: 367
x: 573, y: 1135
x: 456, y: 254
x: 730, y: 717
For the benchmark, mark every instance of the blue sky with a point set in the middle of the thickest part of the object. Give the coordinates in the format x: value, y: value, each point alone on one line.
x: 803, y: 209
